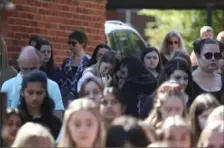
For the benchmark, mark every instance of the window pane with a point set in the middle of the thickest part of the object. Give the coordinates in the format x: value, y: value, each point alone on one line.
x: 111, y: 42
x: 137, y: 43
x: 124, y: 43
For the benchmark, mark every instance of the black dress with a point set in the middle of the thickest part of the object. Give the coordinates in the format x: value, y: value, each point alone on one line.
x: 51, y: 122
x: 197, y: 90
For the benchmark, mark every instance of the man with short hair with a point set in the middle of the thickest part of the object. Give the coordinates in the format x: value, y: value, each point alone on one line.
x: 29, y: 60
x: 206, y: 32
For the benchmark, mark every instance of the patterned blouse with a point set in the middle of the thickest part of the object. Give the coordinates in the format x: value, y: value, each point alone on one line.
x: 71, y: 76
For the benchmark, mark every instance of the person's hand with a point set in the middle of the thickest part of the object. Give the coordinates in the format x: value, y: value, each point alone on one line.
x: 120, y: 83
x: 107, y: 79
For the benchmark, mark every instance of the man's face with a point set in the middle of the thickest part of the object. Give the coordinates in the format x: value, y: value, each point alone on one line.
x: 206, y: 35
x: 28, y: 66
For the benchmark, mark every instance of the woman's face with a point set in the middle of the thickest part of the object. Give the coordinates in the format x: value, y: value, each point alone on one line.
x: 105, y: 69
x: 83, y: 127
x: 74, y: 46
x: 100, y: 53
x: 110, y: 107
x: 93, y: 91
x: 45, y: 52
x: 151, y: 60
x: 173, y: 43
x: 171, y: 107
x: 180, y: 77
x: 122, y: 76
x: 123, y: 72
x: 34, y: 94
x: 215, y: 140
x: 209, y: 57
x: 202, y: 118
x: 12, y: 126
x: 179, y: 136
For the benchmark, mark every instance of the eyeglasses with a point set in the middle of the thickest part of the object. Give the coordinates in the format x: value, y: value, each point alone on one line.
x: 73, y: 43
x: 173, y: 42
x: 216, y: 55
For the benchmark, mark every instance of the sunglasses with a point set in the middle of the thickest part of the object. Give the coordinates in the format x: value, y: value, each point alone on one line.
x: 216, y: 55
x: 222, y: 56
x: 73, y: 43
x: 173, y: 42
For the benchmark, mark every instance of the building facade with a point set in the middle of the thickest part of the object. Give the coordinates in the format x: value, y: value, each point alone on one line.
x: 54, y: 20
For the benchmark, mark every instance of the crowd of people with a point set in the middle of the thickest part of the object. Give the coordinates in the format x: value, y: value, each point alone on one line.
x: 164, y: 98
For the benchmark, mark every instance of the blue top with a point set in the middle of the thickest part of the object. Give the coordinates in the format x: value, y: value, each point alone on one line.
x: 13, y: 89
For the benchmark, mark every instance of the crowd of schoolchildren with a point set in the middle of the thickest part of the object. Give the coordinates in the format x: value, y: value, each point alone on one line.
x: 164, y: 98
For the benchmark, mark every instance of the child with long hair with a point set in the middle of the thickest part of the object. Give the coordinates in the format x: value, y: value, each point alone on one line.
x: 13, y: 121
x: 112, y: 105
x: 92, y: 88
x: 212, y: 135
x: 82, y: 125
x: 36, y: 104
x: 177, y: 131
x: 200, y: 109
x: 169, y: 101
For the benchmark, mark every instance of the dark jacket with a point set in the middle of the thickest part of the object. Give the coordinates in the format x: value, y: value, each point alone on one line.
x: 135, y: 91
x: 54, y: 74
x: 51, y: 122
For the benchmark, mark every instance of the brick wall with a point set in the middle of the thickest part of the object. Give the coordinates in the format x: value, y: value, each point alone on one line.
x: 53, y: 20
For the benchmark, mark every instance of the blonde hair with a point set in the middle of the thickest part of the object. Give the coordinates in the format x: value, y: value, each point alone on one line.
x: 164, y: 92
x: 175, y: 121
x: 216, y: 115
x: 220, y: 36
x: 161, y: 144
x: 202, y: 103
x: 173, y: 33
x: 31, y: 131
x: 78, y: 105
x: 205, y: 29
x: 210, y: 128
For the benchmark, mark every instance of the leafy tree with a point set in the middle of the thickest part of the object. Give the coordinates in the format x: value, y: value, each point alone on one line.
x: 187, y: 22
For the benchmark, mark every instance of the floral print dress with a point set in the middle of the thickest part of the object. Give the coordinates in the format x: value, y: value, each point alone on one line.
x: 71, y: 76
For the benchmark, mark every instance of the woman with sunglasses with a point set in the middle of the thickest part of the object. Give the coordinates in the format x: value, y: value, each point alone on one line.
x: 205, y: 77
x: 73, y: 66
x: 172, y: 43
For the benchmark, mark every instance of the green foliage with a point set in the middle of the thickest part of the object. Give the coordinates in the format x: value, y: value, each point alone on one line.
x: 187, y: 22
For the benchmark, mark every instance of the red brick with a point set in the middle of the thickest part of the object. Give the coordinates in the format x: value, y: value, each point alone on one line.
x: 54, y: 21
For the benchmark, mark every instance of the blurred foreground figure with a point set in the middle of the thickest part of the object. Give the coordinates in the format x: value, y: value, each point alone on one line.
x: 33, y: 135
x: 6, y: 71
